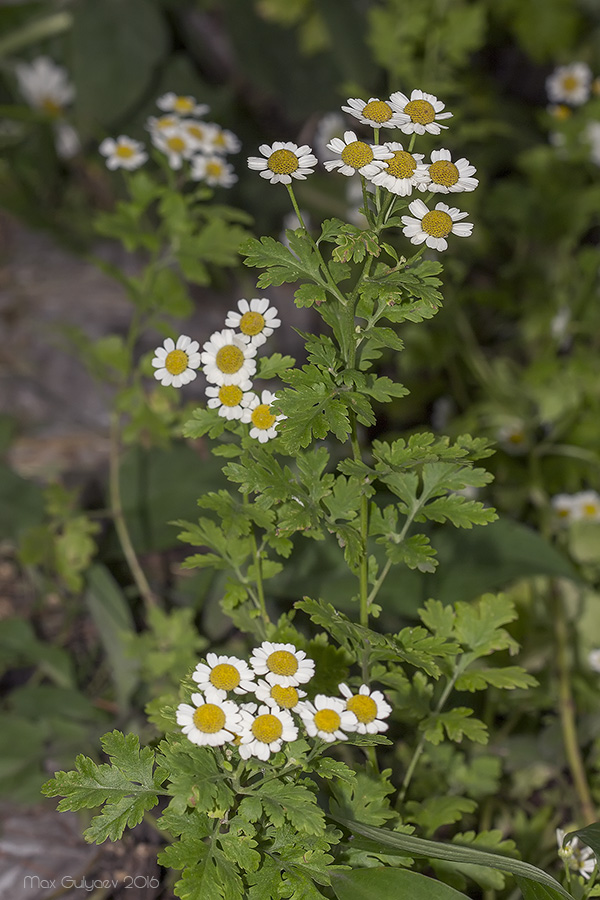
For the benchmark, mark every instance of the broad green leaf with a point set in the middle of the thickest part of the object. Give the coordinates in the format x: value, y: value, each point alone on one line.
x: 589, y: 835
x: 390, y: 884
x: 453, y: 853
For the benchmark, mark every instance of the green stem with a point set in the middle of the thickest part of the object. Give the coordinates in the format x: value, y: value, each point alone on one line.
x: 332, y: 286
x: 566, y: 705
x: 116, y: 507
x: 421, y: 745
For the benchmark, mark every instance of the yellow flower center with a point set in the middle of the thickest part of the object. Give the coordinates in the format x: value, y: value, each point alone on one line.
x: 209, y: 718
x: 229, y: 359
x: 50, y: 106
x: 327, y: 720
x: 225, y: 677
x: 570, y: 83
x: 214, y: 169
x: 377, y: 111
x: 283, y: 162
x: 282, y: 662
x: 196, y: 131
x: 443, y: 172
x: 262, y: 418
x: 219, y: 140
x: 590, y: 509
x: 267, y: 728
x: 252, y: 323
x: 176, y: 144
x: 286, y: 698
x: 364, y: 708
x: 183, y: 104
x: 561, y: 112
x: 420, y: 111
x: 357, y: 154
x: 437, y: 223
x: 230, y: 395
x: 402, y: 165
x: 563, y: 513
x: 516, y: 437
x: 176, y: 362
x: 124, y: 151
x: 165, y: 122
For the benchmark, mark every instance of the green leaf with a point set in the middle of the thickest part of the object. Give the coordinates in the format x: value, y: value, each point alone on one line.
x: 295, y: 804
x: 116, y: 48
x: 453, y: 853
x: 456, y: 723
x: 589, y: 835
x: 390, y: 884
x: 282, y: 264
x: 274, y: 366
x: 112, y: 617
x: 126, y: 787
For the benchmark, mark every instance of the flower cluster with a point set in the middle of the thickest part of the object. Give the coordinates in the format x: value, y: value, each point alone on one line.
x: 181, y: 135
x: 569, y: 88
x: 229, y: 363
x: 581, y: 507
x: 576, y: 856
x: 389, y: 165
x: 220, y: 712
x: 46, y: 87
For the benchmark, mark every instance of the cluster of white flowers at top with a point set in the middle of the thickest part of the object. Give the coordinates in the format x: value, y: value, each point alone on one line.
x: 183, y: 137
x: 570, y: 87
x: 220, y: 712
x: 581, y: 507
x: 229, y: 363
x: 389, y: 165
x: 576, y: 856
x: 46, y: 87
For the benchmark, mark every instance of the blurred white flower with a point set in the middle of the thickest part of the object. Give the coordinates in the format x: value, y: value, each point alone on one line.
x: 570, y: 84
x: 45, y: 85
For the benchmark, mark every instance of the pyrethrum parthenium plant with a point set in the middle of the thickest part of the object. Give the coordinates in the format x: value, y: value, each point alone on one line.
x: 288, y: 773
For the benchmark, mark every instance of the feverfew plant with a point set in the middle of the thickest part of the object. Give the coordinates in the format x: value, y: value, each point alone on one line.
x: 303, y: 768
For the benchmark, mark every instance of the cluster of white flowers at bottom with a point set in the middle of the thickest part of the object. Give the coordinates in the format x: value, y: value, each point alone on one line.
x: 221, y: 713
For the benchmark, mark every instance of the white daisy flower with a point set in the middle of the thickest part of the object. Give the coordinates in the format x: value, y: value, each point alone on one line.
x: 175, y: 144
x: 512, y: 436
x: 593, y: 660
x: 331, y: 125
x: 224, y: 673
x: 327, y: 718
x: 228, y: 358
x: 276, y: 695
x: 570, y: 84
x: 586, y: 506
x: 211, y: 721
x: 424, y: 112
x: 263, y: 733
x: 402, y: 172
x: 257, y: 411
x: 175, y: 363
x: 445, y: 177
x: 576, y: 856
x: 256, y: 319
x: 434, y: 226
x: 124, y: 153
x: 213, y: 170
x: 162, y: 123
x: 224, y: 141
x: 356, y: 156
x: 183, y: 106
x: 228, y: 398
x: 560, y: 323
x: 283, y: 161
x: 563, y: 506
x: 377, y: 113
x: 200, y: 134
x: 282, y: 664
x: 44, y: 85
x: 368, y: 707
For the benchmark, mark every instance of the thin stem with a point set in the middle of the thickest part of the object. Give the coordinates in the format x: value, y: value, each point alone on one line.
x: 566, y: 705
x: 324, y: 267
x: 421, y: 745
x: 258, y: 579
x: 116, y: 507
